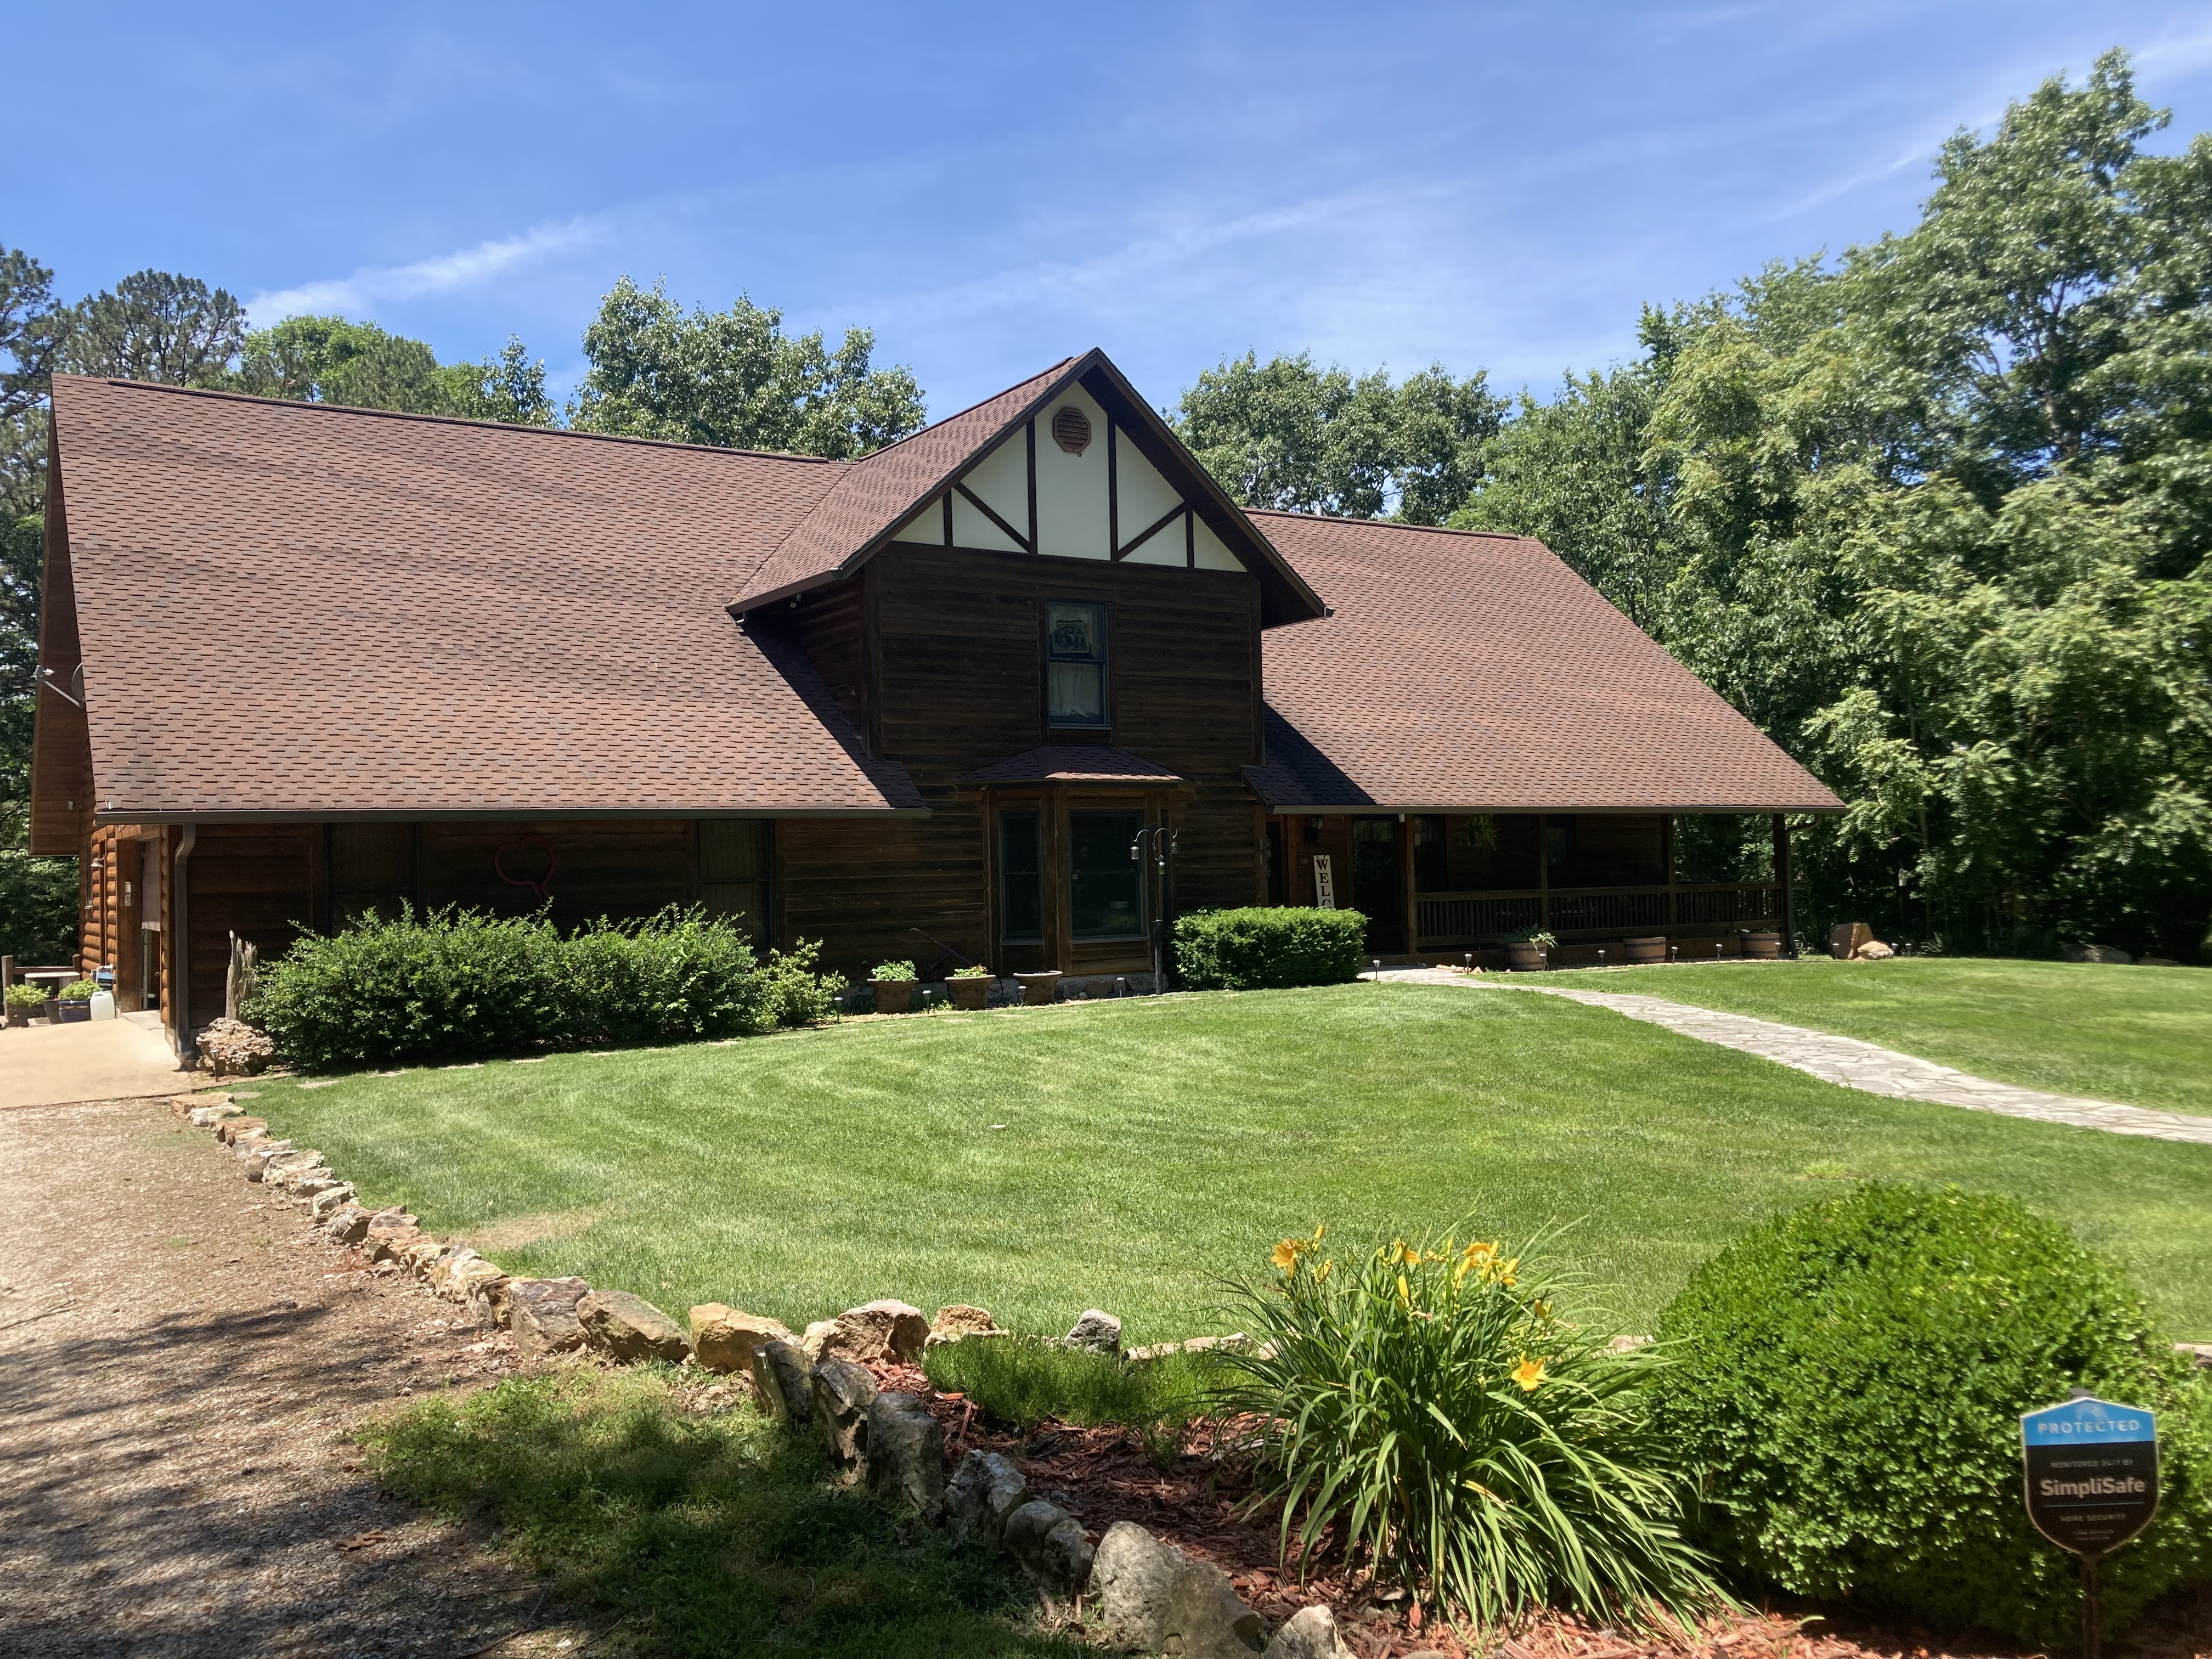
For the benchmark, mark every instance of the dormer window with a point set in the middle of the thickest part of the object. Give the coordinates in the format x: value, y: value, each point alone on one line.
x: 1075, y: 664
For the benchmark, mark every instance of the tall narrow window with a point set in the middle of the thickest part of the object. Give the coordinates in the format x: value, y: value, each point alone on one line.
x: 733, y: 872
x: 1021, y: 880
x: 1104, y: 879
x: 372, y: 868
x: 1075, y: 664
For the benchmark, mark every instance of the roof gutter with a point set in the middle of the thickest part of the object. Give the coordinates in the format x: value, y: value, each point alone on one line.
x: 180, y: 943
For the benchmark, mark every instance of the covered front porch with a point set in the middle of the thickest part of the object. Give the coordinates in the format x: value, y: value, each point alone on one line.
x: 1450, y: 884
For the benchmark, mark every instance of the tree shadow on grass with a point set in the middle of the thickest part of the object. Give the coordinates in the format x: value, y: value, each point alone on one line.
x: 708, y: 1535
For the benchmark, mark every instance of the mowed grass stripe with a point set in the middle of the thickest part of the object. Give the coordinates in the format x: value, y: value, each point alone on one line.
x: 1152, y: 1146
x: 2140, y: 1036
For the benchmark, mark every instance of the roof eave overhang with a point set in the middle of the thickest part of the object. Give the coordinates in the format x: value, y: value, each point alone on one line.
x: 119, y: 815
x: 1369, y: 808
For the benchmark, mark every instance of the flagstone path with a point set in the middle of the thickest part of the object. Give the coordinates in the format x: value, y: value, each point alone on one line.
x: 1853, y: 1064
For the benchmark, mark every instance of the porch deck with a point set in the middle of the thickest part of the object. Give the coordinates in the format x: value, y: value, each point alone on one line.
x: 1705, y: 910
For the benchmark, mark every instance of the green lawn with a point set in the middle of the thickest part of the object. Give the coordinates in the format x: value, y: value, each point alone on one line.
x: 1149, y: 1147
x: 2138, y: 1035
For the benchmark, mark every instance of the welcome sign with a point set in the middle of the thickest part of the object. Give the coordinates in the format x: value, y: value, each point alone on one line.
x: 2092, y: 1473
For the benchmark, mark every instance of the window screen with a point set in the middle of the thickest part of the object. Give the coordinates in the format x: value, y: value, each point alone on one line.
x: 733, y: 872
x: 1075, y: 664
x: 1104, y: 879
x: 372, y: 868
x: 1021, y: 879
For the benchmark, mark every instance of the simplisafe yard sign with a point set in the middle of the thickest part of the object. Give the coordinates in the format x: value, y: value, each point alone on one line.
x: 2091, y: 1468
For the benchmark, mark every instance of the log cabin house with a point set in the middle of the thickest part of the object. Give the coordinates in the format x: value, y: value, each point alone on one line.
x: 298, y: 661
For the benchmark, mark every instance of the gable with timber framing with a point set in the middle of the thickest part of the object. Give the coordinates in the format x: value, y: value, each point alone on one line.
x: 1073, y: 483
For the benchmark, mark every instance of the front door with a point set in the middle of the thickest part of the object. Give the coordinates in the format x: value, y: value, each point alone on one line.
x: 1378, y: 887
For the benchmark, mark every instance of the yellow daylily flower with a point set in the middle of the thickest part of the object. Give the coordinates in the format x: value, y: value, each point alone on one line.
x: 1322, y: 1273
x: 1285, y: 1255
x: 1320, y: 1228
x: 1405, y: 1294
x: 1528, y: 1373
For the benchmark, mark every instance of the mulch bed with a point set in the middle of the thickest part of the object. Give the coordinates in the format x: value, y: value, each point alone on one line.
x: 1106, y: 1474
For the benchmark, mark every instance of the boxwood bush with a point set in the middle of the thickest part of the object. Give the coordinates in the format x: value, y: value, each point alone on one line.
x: 1267, y: 948
x: 462, y: 984
x: 1851, y: 1376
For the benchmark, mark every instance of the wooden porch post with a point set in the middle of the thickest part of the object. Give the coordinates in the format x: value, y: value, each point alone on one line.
x: 1406, y: 884
x: 1667, y: 852
x: 1544, y: 871
x: 1782, y: 875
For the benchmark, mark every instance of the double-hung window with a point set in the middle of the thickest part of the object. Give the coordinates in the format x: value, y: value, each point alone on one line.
x: 1075, y: 664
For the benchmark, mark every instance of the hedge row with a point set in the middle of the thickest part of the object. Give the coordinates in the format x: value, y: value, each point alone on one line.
x: 463, y: 985
x: 1267, y: 949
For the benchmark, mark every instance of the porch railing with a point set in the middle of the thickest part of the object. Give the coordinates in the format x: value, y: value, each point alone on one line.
x: 1586, y: 913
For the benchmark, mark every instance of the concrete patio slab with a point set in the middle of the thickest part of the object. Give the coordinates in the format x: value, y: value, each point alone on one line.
x: 92, y: 1059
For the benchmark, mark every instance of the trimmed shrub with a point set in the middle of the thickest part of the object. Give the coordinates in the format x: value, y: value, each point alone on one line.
x: 1430, y: 1415
x: 1851, y: 1378
x: 1268, y: 948
x: 461, y: 985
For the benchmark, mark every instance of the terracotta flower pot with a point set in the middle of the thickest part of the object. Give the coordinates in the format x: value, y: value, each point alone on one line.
x: 1524, y: 958
x: 1641, y: 950
x: 1763, y: 947
x: 969, y: 991
x: 894, y: 996
x: 1038, y: 988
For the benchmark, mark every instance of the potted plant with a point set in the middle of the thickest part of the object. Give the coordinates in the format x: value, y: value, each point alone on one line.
x: 23, y: 1000
x: 1038, y: 988
x: 1638, y: 952
x: 1762, y: 947
x: 969, y: 987
x: 1524, y: 951
x: 75, y: 1001
x: 893, y: 983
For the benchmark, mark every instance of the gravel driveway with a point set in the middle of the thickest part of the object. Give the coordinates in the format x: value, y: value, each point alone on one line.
x: 179, y: 1366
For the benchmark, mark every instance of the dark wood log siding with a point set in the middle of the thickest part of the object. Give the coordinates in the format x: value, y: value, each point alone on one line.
x: 619, y: 868
x: 261, y: 882
x: 830, y: 625
x: 955, y: 640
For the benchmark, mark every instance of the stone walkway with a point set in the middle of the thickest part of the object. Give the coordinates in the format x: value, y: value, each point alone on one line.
x: 1854, y: 1064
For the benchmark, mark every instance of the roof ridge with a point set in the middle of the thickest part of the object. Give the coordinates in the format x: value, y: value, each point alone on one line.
x: 948, y: 419
x: 125, y: 385
x: 1394, y: 524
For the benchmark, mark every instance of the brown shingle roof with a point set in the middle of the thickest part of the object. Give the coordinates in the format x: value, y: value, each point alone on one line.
x: 1478, y: 671
x: 288, y: 608
x: 1073, y: 763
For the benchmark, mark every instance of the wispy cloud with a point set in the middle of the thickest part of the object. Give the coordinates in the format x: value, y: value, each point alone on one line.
x: 463, y: 268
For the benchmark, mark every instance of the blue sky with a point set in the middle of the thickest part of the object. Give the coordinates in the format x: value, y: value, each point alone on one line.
x: 994, y: 187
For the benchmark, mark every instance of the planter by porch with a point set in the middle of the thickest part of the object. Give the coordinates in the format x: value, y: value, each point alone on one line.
x: 1638, y: 951
x: 1038, y: 988
x: 68, y: 1012
x: 970, y: 992
x: 1524, y: 958
x: 1763, y: 947
x: 19, y: 1016
x: 894, y: 996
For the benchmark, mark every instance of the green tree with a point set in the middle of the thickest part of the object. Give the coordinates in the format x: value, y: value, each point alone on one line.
x: 734, y: 378
x: 155, y: 325
x: 362, y: 365
x: 1285, y: 434
x: 33, y: 326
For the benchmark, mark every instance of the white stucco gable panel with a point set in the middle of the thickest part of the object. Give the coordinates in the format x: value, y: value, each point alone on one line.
x: 1146, y: 497
x: 927, y: 526
x: 1072, y: 519
x: 1213, y: 553
x: 1002, y: 479
x: 1166, y: 548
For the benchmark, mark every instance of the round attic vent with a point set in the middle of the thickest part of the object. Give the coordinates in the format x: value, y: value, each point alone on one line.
x: 1071, y: 429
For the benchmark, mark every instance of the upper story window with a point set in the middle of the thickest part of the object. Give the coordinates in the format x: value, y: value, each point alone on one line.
x: 1075, y: 664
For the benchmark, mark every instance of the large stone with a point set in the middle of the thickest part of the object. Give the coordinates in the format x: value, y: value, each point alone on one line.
x: 231, y: 1047
x: 1308, y: 1633
x: 1048, y: 1543
x: 906, y: 1450
x: 960, y: 1321
x: 1873, y: 951
x: 1098, y: 1331
x: 984, y: 1491
x: 541, y: 1313
x: 346, y: 1225
x: 1144, y: 1356
x: 875, y: 1334
x: 443, y: 1275
x: 1152, y: 1598
x: 279, y: 1167
x: 417, y: 1254
x: 629, y: 1328
x: 482, y: 1286
x: 184, y: 1105
x: 842, y: 1392
x: 256, y: 1153
x: 2098, y: 953
x: 230, y: 1129
x: 778, y: 1374
x: 206, y: 1117
x: 723, y: 1337
x: 328, y: 1202
x: 1845, y: 938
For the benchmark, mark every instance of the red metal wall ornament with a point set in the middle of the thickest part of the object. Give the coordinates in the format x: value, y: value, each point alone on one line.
x: 1071, y: 429
x: 537, y: 884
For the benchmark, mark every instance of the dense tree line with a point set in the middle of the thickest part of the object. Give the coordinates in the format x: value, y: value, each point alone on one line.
x: 1935, y: 515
